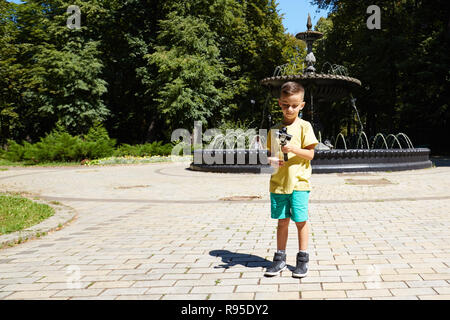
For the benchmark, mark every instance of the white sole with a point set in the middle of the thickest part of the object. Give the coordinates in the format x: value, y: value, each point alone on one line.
x: 272, y: 274
x: 299, y: 275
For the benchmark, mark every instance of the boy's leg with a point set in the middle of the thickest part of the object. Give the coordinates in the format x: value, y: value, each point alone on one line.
x: 300, y: 216
x: 303, y: 235
x: 280, y: 210
x: 282, y: 233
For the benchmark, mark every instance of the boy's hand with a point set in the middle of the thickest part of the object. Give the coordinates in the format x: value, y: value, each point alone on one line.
x: 288, y: 148
x: 276, y: 162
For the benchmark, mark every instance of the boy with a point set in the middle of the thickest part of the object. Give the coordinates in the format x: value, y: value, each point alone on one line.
x: 289, y: 184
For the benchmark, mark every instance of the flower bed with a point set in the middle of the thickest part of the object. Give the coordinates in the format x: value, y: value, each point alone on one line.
x: 131, y: 160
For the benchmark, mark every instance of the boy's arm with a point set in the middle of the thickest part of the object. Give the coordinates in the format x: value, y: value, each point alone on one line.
x: 273, y: 161
x: 307, y: 153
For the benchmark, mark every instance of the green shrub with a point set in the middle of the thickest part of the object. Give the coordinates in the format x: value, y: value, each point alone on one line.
x: 97, y: 143
x: 232, y: 125
x: 14, y: 151
x: 59, y: 145
x: 142, y: 150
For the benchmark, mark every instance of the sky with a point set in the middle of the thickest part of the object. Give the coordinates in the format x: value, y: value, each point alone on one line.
x: 295, y: 14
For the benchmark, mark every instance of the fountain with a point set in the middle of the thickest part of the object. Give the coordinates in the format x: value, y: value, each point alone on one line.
x: 356, y: 154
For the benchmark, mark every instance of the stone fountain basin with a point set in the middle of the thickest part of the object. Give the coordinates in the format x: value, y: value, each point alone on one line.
x: 325, y: 161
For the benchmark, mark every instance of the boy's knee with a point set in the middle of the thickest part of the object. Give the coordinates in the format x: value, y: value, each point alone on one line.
x: 283, y: 222
x: 301, y: 224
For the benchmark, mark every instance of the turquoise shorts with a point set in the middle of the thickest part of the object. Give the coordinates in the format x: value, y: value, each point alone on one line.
x: 294, y: 206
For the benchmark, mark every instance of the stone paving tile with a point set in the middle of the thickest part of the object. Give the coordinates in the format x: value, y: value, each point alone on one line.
x: 343, y: 286
x: 233, y: 296
x: 185, y: 297
x: 213, y: 289
x: 278, y: 296
x: 309, y: 279
x: 385, y: 285
x: 212, y: 276
x: 323, y: 294
x: 167, y: 290
x: 12, y: 275
x: 4, y: 294
x: 234, y: 282
x: 368, y: 293
x: 401, y: 277
x: 65, y: 285
x: 437, y: 297
x: 153, y: 283
x: 415, y: 270
x: 194, y: 283
x: 4, y: 282
x: 257, y: 288
x: 140, y: 297
x: 103, y: 278
x: 413, y: 291
x: 123, y: 291
x: 30, y: 295
x: 278, y: 280
x: 78, y: 293
x: 429, y: 283
x: 299, y: 287
x: 181, y: 276
x: 91, y: 298
x: 442, y: 290
x: 435, y: 276
x: 111, y: 284
x: 396, y: 298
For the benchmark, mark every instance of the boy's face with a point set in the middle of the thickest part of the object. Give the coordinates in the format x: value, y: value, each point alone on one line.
x: 291, y: 105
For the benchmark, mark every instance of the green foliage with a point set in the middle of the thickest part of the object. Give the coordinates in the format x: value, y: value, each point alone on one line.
x: 404, y: 67
x: 243, y: 125
x: 15, y: 152
x: 97, y: 143
x: 143, y: 68
x: 147, y: 149
x: 59, y: 145
x: 189, y: 71
x: 49, y: 73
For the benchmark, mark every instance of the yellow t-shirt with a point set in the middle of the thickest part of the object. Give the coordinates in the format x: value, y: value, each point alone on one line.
x: 295, y: 173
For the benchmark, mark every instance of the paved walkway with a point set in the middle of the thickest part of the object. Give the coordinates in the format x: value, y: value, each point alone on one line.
x: 159, y: 231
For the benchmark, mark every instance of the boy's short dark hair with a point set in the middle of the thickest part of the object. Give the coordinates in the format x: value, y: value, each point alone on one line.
x: 291, y: 87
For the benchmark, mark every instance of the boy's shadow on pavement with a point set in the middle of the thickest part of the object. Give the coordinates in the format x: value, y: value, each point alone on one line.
x: 247, y: 260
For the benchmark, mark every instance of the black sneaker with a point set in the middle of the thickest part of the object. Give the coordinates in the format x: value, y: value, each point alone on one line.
x: 279, y: 264
x: 302, y: 265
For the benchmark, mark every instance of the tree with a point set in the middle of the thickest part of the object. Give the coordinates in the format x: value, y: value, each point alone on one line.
x: 403, y: 66
x: 142, y: 67
x: 190, y: 73
x: 58, y: 70
x: 9, y: 71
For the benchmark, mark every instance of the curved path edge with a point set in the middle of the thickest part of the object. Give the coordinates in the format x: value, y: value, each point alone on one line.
x: 63, y: 215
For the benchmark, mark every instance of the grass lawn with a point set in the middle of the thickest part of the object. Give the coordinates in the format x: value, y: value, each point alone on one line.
x: 17, y: 213
x: 7, y: 163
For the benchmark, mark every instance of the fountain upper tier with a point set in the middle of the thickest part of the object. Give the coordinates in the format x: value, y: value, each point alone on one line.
x: 309, y: 36
x: 320, y: 86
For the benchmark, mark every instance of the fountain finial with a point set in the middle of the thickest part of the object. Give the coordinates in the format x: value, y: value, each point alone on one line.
x: 309, y: 24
